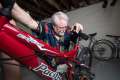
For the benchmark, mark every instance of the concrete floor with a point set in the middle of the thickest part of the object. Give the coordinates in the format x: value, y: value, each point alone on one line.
x: 109, y: 70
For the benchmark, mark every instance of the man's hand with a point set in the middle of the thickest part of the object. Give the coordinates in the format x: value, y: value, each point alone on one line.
x: 77, y: 27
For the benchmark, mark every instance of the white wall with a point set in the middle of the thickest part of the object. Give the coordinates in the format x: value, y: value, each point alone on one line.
x: 96, y: 19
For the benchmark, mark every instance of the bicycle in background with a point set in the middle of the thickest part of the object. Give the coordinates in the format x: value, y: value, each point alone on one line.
x: 105, y: 50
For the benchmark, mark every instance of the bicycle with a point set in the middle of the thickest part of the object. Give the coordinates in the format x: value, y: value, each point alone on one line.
x: 25, y: 48
x: 107, y: 49
x: 85, y: 53
x: 96, y: 49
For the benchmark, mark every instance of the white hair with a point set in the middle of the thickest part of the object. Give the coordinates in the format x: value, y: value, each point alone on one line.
x: 59, y: 15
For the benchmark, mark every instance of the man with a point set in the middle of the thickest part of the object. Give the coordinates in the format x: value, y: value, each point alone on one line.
x: 57, y: 33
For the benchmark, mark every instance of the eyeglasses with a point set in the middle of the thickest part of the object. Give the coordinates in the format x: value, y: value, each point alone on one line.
x: 62, y: 27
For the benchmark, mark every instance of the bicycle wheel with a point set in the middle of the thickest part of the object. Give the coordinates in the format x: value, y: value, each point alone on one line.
x: 82, y: 73
x: 84, y: 56
x: 103, y: 50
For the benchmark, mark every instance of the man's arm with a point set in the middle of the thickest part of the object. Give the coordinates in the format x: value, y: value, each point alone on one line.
x: 19, y: 14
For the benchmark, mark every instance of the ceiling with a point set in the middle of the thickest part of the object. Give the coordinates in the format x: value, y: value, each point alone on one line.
x: 41, y: 9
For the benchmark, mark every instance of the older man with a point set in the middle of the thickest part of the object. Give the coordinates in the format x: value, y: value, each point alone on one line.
x: 57, y: 33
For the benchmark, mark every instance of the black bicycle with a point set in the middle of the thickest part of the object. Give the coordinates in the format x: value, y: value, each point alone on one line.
x: 105, y: 50
x: 85, y: 53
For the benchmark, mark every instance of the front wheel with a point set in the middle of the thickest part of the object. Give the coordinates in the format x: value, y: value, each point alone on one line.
x: 82, y: 73
x: 103, y: 50
x: 84, y: 56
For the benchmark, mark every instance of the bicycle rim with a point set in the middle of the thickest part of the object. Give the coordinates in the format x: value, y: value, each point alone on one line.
x: 103, y: 50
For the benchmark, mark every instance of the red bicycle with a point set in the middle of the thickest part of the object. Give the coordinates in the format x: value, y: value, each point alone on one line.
x: 22, y: 47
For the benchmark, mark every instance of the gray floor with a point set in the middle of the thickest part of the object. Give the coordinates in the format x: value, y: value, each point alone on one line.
x: 29, y: 75
x: 109, y: 70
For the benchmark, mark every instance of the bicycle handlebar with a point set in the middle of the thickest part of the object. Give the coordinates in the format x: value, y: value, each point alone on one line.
x: 83, y: 35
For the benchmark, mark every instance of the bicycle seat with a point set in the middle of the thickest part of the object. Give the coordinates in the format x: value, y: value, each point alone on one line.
x: 112, y: 36
x: 93, y: 34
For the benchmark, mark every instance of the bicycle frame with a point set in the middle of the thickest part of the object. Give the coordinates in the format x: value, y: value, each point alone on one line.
x: 17, y: 44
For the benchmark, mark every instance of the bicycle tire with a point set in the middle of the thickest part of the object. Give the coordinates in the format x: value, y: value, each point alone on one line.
x: 104, y: 42
x: 84, y: 56
x: 82, y: 73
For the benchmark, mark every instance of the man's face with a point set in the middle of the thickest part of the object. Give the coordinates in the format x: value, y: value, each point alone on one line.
x: 60, y: 27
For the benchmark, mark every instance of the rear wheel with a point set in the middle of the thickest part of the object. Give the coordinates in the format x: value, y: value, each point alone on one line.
x: 103, y: 50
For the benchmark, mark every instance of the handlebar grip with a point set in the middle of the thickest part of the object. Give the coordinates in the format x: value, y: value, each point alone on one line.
x: 83, y: 35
